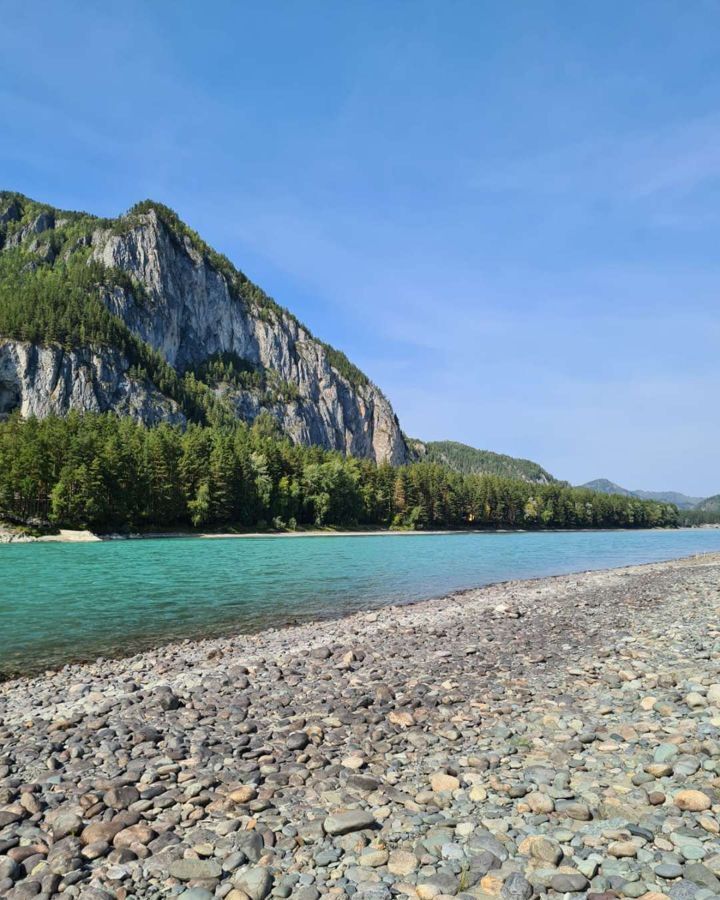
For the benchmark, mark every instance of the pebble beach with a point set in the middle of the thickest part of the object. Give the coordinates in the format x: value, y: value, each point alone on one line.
x: 555, y: 737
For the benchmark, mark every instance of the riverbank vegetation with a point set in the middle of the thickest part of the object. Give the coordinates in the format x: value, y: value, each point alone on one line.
x: 693, y: 518
x: 108, y: 473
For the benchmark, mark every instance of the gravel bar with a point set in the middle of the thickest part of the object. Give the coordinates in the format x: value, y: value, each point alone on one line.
x: 559, y: 736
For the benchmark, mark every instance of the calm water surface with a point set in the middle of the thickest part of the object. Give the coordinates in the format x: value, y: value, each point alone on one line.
x: 65, y: 602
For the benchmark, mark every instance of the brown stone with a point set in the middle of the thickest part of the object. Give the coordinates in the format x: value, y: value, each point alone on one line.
x: 692, y: 801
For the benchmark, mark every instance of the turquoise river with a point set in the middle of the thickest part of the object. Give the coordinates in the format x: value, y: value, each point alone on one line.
x: 61, y: 603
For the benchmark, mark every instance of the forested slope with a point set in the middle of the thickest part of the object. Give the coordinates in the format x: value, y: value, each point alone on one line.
x: 471, y: 461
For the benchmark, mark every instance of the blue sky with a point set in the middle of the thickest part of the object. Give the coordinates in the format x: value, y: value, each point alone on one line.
x: 506, y: 213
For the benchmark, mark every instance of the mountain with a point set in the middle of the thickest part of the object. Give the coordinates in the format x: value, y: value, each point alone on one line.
x: 470, y: 461
x: 603, y: 486
x: 139, y: 315
x: 710, y: 504
x: 682, y: 501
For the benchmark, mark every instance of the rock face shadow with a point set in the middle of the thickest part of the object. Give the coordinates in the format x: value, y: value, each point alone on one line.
x: 9, y: 398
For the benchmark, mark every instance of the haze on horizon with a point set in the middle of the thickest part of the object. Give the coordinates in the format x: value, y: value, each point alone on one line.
x: 506, y: 214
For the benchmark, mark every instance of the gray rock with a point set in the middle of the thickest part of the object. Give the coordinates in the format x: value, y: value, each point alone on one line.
x: 483, y: 840
x: 66, y: 823
x: 257, y: 883
x: 700, y: 874
x: 307, y: 893
x: 345, y: 822
x: 298, y: 740
x: 189, y: 309
x: 683, y: 890
x: 517, y: 887
x: 25, y: 890
x: 121, y: 797
x: 442, y: 883
x: 669, y: 870
x: 250, y: 843
x: 363, y: 783
x: 568, y: 883
x: 194, y: 869
x: 9, y: 869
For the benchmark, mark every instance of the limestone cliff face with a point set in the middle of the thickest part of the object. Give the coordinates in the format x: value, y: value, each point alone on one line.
x: 189, y: 306
x: 40, y: 381
x: 188, y: 312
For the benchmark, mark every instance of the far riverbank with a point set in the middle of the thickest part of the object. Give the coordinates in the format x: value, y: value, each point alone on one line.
x: 13, y: 534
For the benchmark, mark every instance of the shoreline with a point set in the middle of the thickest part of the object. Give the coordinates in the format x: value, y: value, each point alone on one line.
x: 447, y: 747
x: 71, y: 536
x: 231, y: 634
x: 230, y: 637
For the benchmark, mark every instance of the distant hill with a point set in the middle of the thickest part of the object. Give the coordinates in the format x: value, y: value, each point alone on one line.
x: 603, y: 486
x: 682, y: 501
x: 710, y: 504
x: 470, y: 461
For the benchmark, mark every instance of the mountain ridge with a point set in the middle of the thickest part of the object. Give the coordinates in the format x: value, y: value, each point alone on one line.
x: 133, y: 313
x: 710, y: 504
x: 605, y: 486
x: 468, y: 460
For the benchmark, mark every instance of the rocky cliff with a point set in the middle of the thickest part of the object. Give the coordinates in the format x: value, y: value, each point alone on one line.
x: 177, y: 297
x: 45, y: 380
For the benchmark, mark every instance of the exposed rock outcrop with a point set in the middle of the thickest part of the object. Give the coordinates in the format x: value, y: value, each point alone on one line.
x: 176, y: 297
x: 188, y: 313
x: 41, y: 381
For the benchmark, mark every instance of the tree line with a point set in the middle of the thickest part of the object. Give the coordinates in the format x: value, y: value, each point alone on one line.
x: 111, y: 473
x: 695, y: 517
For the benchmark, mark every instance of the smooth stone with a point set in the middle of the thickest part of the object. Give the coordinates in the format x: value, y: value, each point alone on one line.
x: 565, y: 883
x: 257, y: 882
x: 692, y: 801
x: 351, y: 820
x: 401, y: 862
x: 298, y: 740
x: 441, y: 782
x: 192, y: 869
x: 669, y: 870
x: 517, y: 887
x: 622, y: 849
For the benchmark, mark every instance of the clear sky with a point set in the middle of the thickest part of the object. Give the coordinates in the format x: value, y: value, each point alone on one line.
x: 506, y: 213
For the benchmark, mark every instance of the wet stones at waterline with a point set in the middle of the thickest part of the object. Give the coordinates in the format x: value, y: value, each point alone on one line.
x: 556, y: 737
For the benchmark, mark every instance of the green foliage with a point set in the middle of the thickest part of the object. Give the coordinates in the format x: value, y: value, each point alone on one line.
x: 709, y: 504
x: 706, y: 513
x: 106, y: 473
x: 342, y: 364
x: 469, y: 461
x: 230, y: 370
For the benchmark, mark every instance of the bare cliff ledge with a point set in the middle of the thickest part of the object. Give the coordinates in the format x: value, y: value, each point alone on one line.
x: 167, y: 292
x: 49, y: 380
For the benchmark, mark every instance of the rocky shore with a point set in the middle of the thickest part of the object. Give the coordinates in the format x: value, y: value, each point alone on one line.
x: 11, y: 535
x: 558, y: 736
